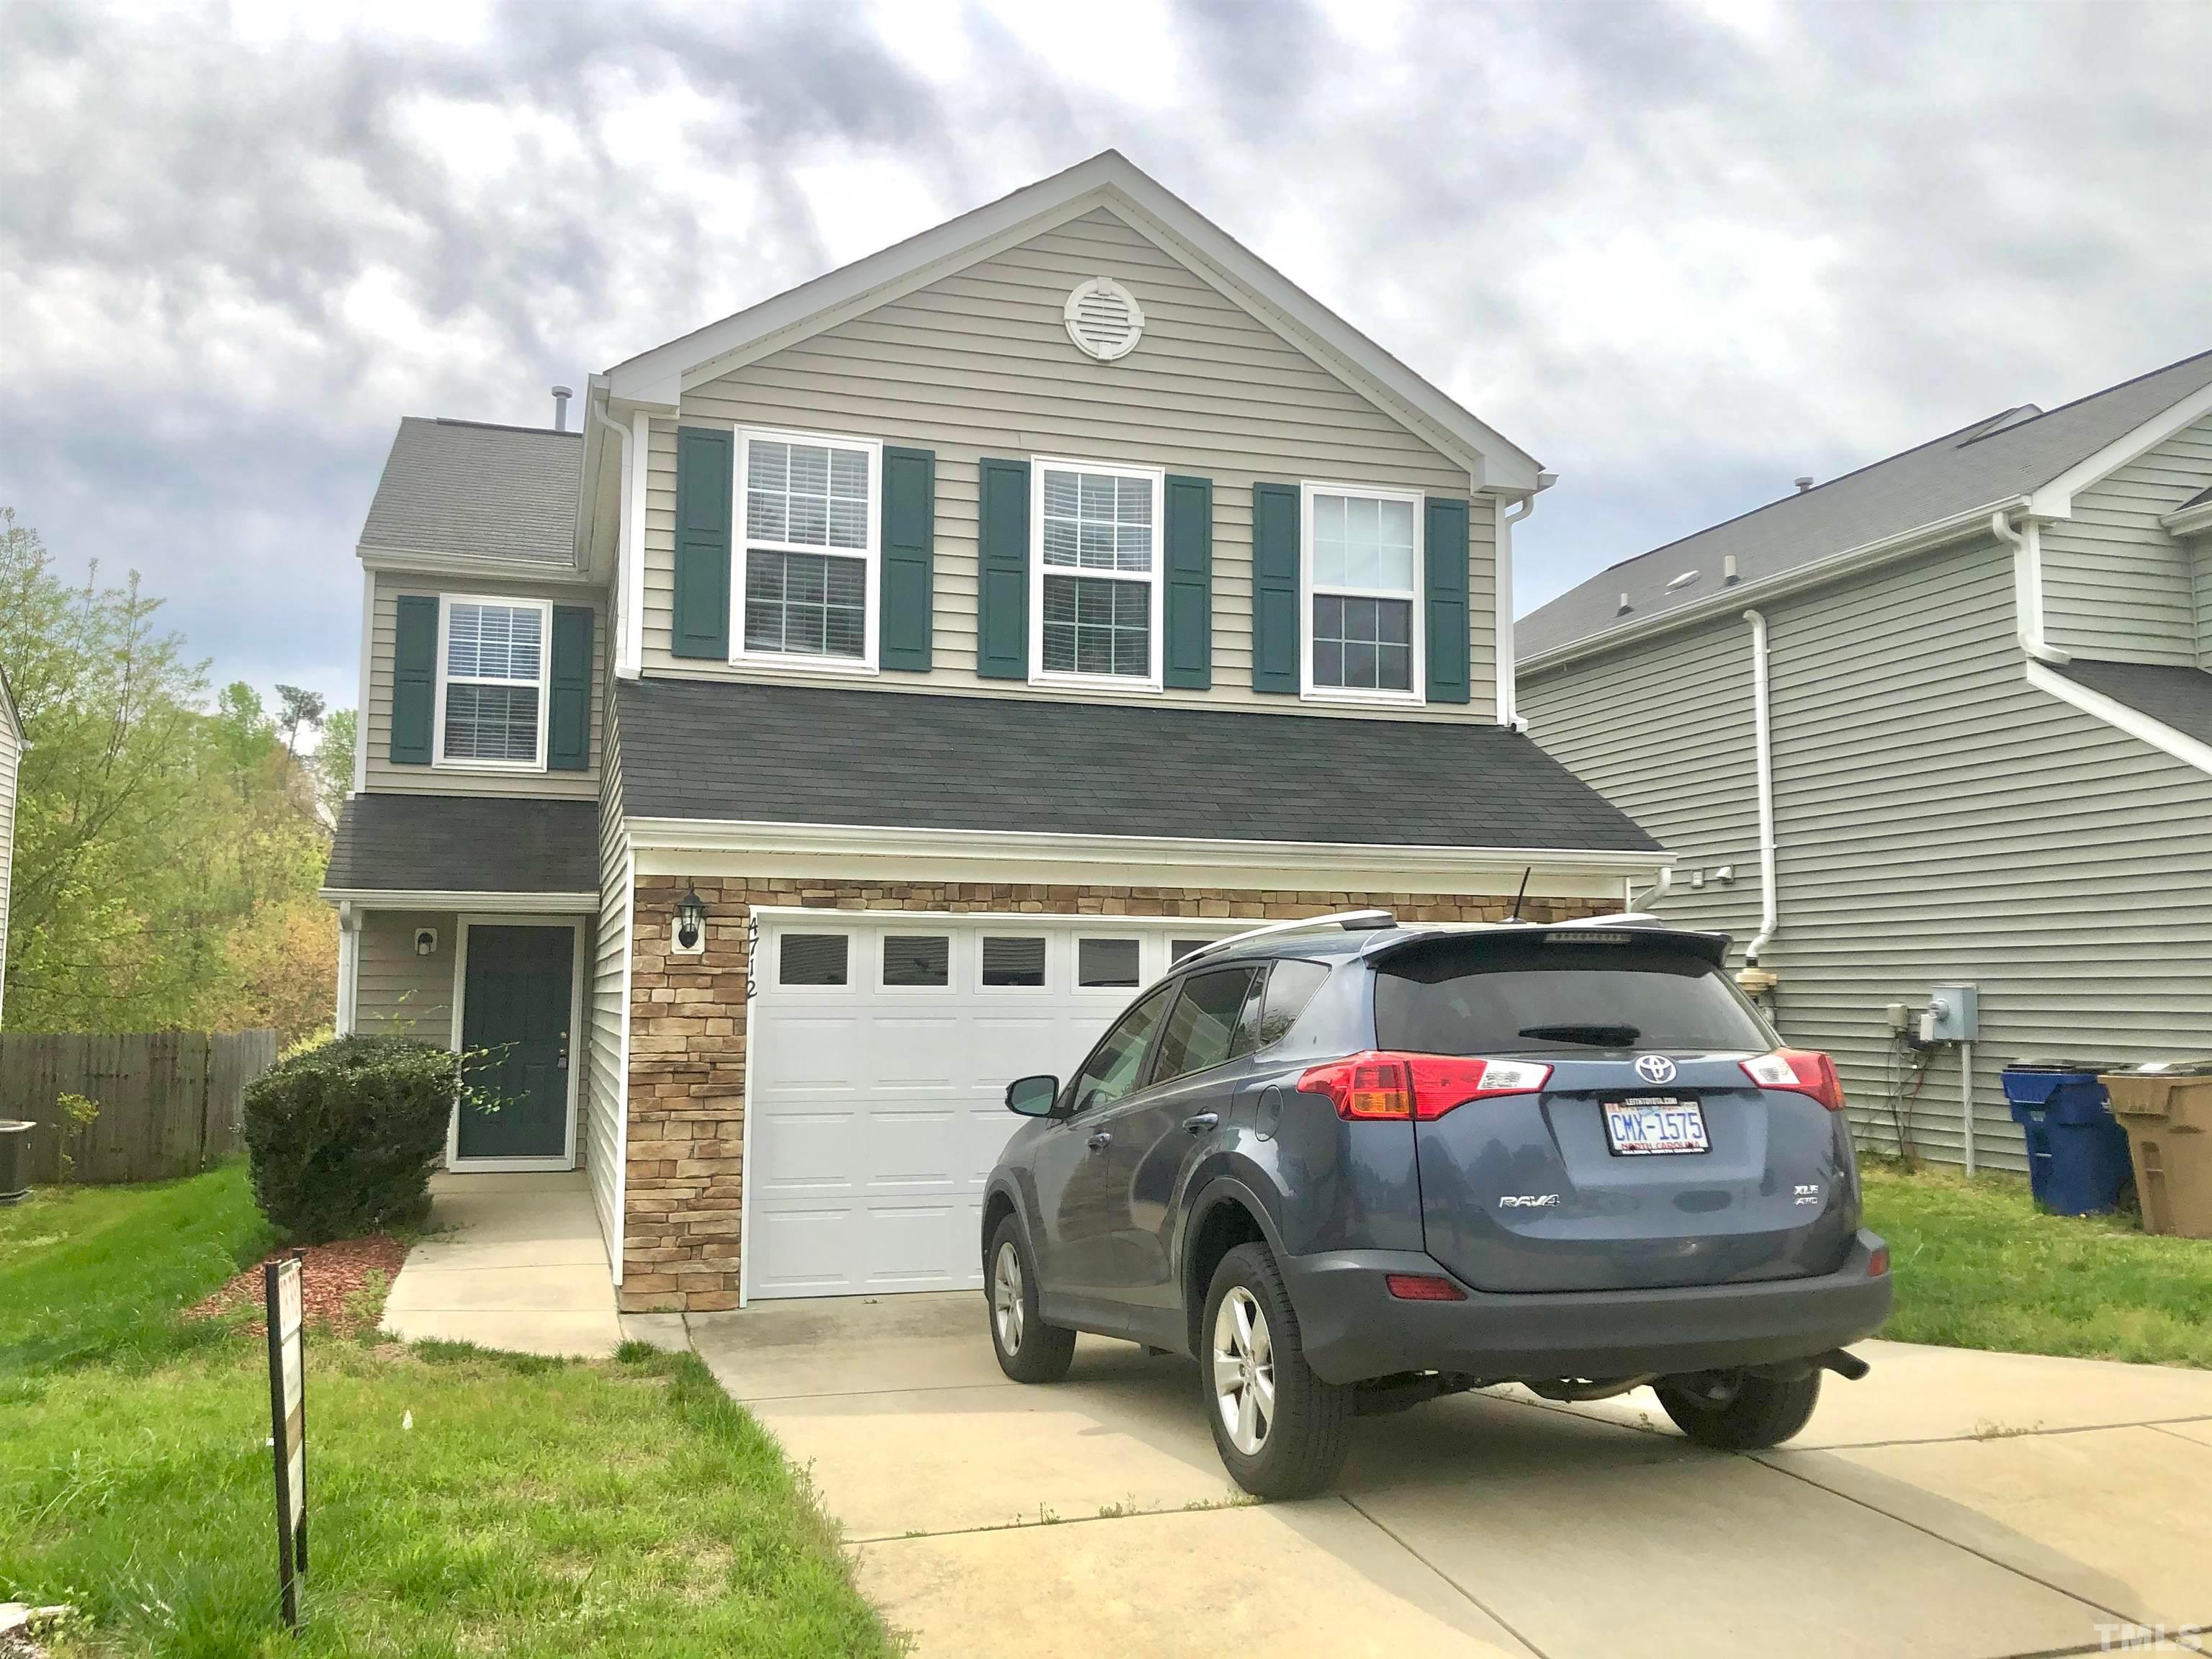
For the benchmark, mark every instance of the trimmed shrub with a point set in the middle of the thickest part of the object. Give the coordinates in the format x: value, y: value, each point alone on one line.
x: 342, y: 1138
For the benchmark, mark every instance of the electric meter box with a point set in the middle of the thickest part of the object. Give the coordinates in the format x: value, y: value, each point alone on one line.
x: 1954, y: 1014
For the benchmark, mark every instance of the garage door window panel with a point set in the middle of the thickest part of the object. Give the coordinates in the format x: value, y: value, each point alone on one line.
x: 813, y: 961
x: 917, y: 961
x: 1208, y: 1027
x: 1117, y: 1063
x: 1103, y: 963
x: 1014, y: 963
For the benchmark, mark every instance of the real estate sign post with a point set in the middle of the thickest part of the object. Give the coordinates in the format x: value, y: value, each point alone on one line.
x: 287, y: 1417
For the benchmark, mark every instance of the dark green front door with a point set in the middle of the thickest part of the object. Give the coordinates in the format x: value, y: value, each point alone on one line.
x: 514, y: 1028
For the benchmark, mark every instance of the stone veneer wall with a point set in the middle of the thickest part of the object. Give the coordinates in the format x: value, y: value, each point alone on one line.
x: 687, y: 1045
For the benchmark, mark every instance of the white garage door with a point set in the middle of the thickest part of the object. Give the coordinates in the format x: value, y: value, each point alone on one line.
x: 880, y: 1052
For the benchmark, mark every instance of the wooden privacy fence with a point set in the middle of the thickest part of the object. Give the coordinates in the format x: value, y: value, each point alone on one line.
x: 169, y: 1101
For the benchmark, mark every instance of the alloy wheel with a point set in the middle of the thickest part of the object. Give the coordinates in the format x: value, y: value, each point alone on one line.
x: 1243, y: 1370
x: 1007, y: 1298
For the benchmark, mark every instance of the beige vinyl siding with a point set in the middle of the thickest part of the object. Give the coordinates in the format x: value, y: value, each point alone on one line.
x: 397, y: 993
x: 382, y: 774
x: 1665, y: 731
x: 11, y: 756
x: 979, y: 364
x: 2115, y: 583
x: 605, y: 1097
x: 2200, y: 577
x: 1940, y: 820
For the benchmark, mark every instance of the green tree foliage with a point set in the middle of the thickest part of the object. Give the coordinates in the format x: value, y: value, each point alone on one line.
x: 333, y: 762
x: 167, y: 851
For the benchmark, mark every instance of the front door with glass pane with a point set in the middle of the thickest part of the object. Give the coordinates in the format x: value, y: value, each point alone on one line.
x: 516, y: 996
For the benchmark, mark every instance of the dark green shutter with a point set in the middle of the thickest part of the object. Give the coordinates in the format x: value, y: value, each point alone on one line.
x: 703, y: 462
x: 1444, y: 540
x: 413, y: 678
x: 568, y: 700
x: 909, y: 540
x: 1002, y: 600
x: 1276, y: 626
x: 1189, y: 602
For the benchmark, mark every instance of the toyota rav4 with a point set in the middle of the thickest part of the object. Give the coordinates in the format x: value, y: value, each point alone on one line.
x: 1351, y: 1166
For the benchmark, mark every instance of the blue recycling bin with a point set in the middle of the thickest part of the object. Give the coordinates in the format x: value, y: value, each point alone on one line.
x: 2077, y: 1153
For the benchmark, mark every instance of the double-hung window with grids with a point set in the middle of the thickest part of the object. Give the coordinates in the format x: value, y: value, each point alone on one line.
x: 810, y: 509
x: 491, y: 682
x: 1095, y: 574
x: 1363, y: 558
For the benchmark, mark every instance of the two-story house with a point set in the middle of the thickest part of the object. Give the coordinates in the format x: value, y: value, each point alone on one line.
x: 1946, y: 719
x: 889, y: 678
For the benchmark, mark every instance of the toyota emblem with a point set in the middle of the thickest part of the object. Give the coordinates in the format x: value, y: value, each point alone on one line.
x: 1655, y: 1068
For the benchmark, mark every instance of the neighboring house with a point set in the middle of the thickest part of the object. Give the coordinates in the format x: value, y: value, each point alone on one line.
x: 957, y: 638
x: 1990, y: 722
x: 11, y: 760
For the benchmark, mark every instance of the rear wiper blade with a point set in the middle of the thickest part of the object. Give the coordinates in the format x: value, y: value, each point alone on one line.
x: 1596, y: 1036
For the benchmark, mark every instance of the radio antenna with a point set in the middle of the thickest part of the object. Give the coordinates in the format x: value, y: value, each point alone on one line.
x: 1523, y: 894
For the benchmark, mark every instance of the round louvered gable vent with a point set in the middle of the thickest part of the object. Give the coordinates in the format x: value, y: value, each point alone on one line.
x: 1103, y: 320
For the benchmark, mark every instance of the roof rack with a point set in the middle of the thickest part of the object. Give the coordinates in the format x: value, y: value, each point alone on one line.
x: 1349, y: 920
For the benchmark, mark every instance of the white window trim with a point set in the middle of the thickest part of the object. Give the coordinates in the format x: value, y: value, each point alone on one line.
x: 469, y: 763
x: 1417, y: 695
x: 1158, y: 477
x: 872, y: 555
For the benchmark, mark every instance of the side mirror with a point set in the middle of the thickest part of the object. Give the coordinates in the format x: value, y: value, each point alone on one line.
x: 1032, y: 1097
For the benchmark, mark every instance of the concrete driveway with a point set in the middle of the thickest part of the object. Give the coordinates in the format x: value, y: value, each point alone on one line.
x: 1953, y: 1503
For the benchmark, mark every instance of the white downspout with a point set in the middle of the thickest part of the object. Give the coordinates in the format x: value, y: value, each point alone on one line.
x: 2027, y: 584
x: 625, y: 661
x: 1763, y: 748
x: 1508, y: 706
x: 343, y: 1017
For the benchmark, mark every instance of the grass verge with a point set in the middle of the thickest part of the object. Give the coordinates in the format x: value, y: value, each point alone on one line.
x: 1978, y: 1266
x: 462, y: 1501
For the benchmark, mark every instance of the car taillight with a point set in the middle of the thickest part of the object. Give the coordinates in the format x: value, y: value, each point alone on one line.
x: 1802, y: 1071
x: 1425, y: 1086
x: 1423, y: 1287
x: 1878, y: 1261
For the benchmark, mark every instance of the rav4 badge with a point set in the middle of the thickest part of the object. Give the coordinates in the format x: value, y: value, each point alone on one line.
x: 1527, y: 1200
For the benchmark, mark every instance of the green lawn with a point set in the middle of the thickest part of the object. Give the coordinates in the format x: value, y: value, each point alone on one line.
x: 462, y: 1501
x: 1979, y: 1267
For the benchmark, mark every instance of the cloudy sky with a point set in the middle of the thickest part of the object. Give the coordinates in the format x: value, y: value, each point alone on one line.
x: 1681, y: 253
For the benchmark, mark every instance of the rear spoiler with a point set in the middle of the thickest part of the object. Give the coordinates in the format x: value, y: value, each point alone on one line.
x: 1627, y: 931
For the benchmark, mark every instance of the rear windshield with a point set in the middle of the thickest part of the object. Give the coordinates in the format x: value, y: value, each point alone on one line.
x: 1522, y: 997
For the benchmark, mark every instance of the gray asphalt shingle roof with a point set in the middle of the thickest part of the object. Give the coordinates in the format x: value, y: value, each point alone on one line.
x: 466, y: 844
x: 1992, y: 460
x: 2178, y: 696
x: 807, y: 754
x: 478, y: 491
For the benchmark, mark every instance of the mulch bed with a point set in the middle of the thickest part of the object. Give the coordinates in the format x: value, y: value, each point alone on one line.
x: 333, y: 1278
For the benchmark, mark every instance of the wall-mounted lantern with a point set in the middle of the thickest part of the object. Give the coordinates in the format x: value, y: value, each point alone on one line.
x: 690, y: 936
x: 426, y: 941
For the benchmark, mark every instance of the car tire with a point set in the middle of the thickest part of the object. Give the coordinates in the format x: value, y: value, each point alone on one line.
x: 1757, y: 1412
x: 1297, y: 1447
x: 1028, y: 1350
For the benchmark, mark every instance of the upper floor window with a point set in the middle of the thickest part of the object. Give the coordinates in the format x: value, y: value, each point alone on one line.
x: 810, y: 537
x: 1362, y: 565
x: 1094, y: 573
x: 491, y: 682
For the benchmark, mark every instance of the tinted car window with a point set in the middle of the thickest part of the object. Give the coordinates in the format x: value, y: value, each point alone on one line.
x: 1290, y: 986
x: 1203, y: 1029
x: 1112, y: 1070
x: 1492, y: 997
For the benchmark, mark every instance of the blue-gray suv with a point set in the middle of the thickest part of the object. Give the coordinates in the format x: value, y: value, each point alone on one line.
x: 1350, y: 1166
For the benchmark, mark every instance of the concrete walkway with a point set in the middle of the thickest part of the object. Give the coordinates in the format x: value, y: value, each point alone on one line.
x: 1955, y: 1503
x: 511, y: 1261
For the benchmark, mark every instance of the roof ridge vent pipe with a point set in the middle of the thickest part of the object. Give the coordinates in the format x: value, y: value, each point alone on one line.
x: 1625, y: 606
x: 1804, y: 484
x: 1728, y: 577
x: 1763, y: 754
x: 560, y: 395
x: 2027, y: 584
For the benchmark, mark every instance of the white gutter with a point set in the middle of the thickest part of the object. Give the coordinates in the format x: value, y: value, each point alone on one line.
x: 1509, y: 711
x: 1763, y: 751
x: 361, y: 704
x: 2027, y: 584
x: 628, y: 557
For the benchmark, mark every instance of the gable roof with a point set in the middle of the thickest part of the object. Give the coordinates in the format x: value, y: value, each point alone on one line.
x: 2174, y: 696
x: 469, y: 490
x: 808, y: 755
x: 1966, y: 474
x: 1109, y: 178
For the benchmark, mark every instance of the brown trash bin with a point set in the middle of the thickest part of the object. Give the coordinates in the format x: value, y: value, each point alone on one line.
x: 2168, y: 1117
